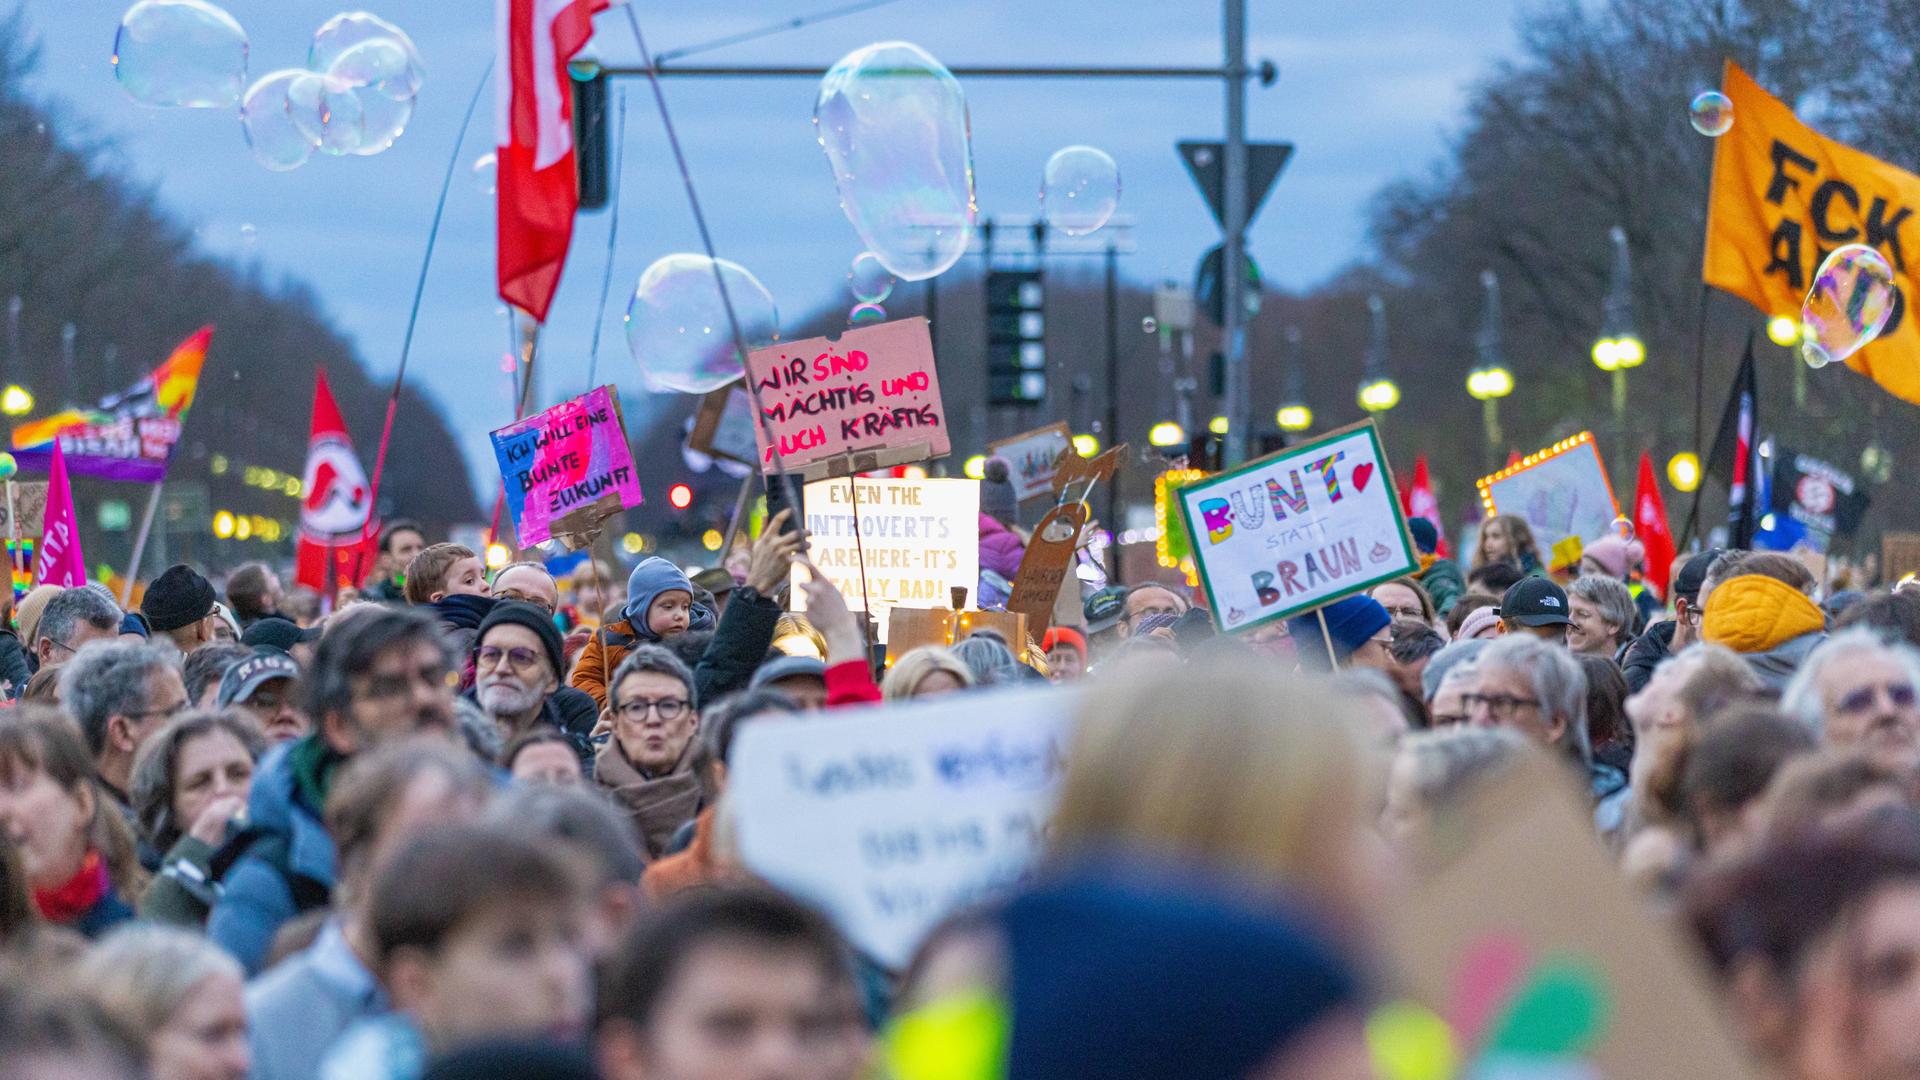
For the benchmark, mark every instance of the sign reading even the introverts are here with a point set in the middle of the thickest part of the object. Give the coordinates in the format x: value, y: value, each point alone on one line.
x: 890, y: 819
x: 1298, y: 529
x: 917, y: 539
x: 873, y: 393
x: 567, y: 469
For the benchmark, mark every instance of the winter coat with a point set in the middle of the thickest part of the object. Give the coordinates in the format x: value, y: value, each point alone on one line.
x: 1443, y: 582
x: 282, y: 865
x: 297, y: 1010
x: 686, y: 869
x: 13, y: 664
x: 738, y: 646
x: 184, y: 891
x: 1646, y: 652
x: 1611, y: 797
x: 1001, y: 550
x: 1771, y: 624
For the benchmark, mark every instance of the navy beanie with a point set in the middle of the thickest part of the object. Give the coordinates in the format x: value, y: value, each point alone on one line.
x: 1351, y: 623
x: 1425, y: 536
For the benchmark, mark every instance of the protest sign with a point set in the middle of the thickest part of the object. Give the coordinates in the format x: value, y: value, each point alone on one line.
x: 891, y: 818
x: 1561, y: 492
x: 916, y: 540
x: 1812, y: 501
x: 864, y: 402
x: 1503, y: 983
x: 1047, y: 562
x: 1298, y: 529
x: 26, y: 506
x: 908, y: 628
x: 1032, y: 457
x: 567, y: 468
x: 723, y: 427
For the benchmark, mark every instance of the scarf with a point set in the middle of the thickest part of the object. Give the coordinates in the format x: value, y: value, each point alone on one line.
x: 462, y: 611
x: 659, y: 805
x: 314, y: 764
x: 65, y: 904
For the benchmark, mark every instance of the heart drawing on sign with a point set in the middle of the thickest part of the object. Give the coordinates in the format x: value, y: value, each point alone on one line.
x: 1362, y: 475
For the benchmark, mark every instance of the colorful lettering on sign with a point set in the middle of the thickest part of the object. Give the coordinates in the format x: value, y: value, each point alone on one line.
x: 1324, y: 467
x: 1283, y: 500
x: 1219, y: 519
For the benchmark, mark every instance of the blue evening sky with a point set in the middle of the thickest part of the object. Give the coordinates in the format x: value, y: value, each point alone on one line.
x: 1369, y: 91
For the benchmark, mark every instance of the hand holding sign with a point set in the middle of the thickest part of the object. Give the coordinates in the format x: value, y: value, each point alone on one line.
x: 773, y: 553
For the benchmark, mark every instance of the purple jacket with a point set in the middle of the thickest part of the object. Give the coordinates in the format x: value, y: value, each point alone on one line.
x: 1000, y: 552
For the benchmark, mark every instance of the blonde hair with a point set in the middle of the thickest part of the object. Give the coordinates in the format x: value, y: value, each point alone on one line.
x: 903, y: 679
x: 1223, y: 760
x: 140, y: 974
x: 791, y: 625
x: 1520, y: 541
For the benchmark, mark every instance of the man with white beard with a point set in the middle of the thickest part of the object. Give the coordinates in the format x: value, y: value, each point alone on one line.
x: 517, y: 669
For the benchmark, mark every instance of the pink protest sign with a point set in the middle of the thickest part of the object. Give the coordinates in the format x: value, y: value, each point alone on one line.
x: 872, y: 399
x: 567, y: 469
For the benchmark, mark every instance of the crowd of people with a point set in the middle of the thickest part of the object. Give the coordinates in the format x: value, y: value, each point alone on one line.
x: 476, y: 823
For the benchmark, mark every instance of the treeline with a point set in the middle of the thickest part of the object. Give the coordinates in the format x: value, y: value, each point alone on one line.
x: 80, y: 245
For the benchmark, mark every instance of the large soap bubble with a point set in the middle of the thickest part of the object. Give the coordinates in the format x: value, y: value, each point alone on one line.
x: 1079, y: 189
x: 344, y: 31
x: 266, y: 118
x: 377, y: 71
x: 677, y: 325
x: 894, y: 125
x: 328, y: 112
x: 181, y: 53
x: 1851, y: 299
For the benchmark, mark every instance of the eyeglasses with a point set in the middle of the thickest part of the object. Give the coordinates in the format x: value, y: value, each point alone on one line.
x: 1862, y: 700
x: 1448, y: 719
x: 515, y: 594
x: 1498, y: 706
x: 1407, y: 613
x: 637, y: 709
x: 169, y: 712
x: 61, y: 644
x: 520, y: 657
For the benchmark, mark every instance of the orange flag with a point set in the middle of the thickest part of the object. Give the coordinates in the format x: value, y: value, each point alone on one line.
x: 1783, y: 197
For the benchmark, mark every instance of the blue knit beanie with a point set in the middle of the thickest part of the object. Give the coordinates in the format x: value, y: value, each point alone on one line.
x: 1351, y: 623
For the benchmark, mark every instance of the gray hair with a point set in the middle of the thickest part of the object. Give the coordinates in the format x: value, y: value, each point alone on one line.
x: 140, y: 974
x: 108, y: 679
x: 1801, y: 699
x: 1557, y: 681
x: 989, y: 658
x: 1448, y: 762
x: 582, y: 817
x: 657, y: 659
x: 66, y: 611
x: 1456, y: 654
x: 1612, y: 597
x: 1360, y: 683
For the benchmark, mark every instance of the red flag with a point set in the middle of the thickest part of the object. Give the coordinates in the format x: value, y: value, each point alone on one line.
x: 337, y: 514
x: 533, y: 123
x: 1650, y: 525
x: 1419, y: 502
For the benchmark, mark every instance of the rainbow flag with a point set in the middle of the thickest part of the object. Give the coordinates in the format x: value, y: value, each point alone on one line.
x: 128, y: 436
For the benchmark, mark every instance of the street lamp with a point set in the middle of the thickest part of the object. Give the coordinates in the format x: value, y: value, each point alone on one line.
x: 1490, y: 380
x: 15, y: 401
x: 1619, y: 349
x: 1166, y: 433
x: 1783, y: 330
x: 1683, y: 471
x: 1294, y: 415
x: 1377, y: 391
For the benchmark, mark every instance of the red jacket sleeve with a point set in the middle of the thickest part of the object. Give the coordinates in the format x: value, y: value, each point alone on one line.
x: 851, y: 683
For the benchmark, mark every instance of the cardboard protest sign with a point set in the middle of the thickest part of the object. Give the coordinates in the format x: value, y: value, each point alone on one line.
x: 1525, y: 953
x: 567, y: 469
x: 1297, y: 529
x: 908, y: 628
x: 916, y: 540
x: 28, y: 500
x: 723, y: 427
x: 889, y: 819
x: 870, y: 399
x: 1561, y: 492
x: 1074, y: 469
x: 1047, y: 562
x: 1032, y: 457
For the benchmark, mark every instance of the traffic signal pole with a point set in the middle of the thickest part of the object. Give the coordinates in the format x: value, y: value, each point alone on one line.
x: 1233, y: 283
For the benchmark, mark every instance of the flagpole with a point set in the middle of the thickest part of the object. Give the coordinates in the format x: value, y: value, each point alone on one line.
x: 413, y: 316
x: 140, y: 542
x: 1699, y: 413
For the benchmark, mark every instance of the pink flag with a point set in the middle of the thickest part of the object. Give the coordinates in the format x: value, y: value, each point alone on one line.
x: 59, y: 559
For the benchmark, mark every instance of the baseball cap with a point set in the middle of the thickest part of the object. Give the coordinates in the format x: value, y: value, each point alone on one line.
x: 1104, y: 608
x: 243, y: 678
x: 1535, y: 601
x: 787, y: 667
x: 278, y: 633
x: 1693, y: 574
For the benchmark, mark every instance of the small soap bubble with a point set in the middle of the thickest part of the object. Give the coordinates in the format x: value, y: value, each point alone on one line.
x: 1079, y: 189
x: 1711, y: 113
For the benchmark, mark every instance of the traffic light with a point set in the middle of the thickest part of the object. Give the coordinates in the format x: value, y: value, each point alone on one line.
x: 592, y: 144
x: 1016, y: 338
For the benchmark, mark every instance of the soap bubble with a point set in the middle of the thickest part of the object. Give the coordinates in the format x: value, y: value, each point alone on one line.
x: 864, y: 314
x: 1711, y: 113
x: 1621, y: 528
x: 872, y: 282
x: 266, y: 118
x: 185, y: 53
x: 327, y: 112
x: 1149, y: 325
x: 1851, y: 299
x: 677, y: 325
x: 378, y: 72
x: 340, y: 34
x: 486, y: 172
x: 893, y: 122
x: 248, y: 233
x: 1079, y: 189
